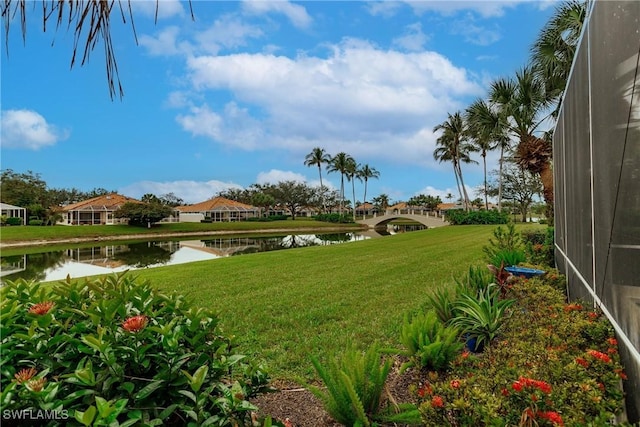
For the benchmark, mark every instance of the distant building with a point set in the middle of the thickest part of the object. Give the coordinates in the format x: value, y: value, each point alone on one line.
x: 11, y: 211
x: 96, y: 211
x: 217, y: 209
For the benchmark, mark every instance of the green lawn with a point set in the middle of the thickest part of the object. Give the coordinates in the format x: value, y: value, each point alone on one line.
x: 284, y: 306
x: 20, y: 233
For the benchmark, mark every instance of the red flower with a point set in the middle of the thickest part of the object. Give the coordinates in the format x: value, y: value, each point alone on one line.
x: 552, y: 416
x: 599, y: 355
x: 25, y: 375
x: 465, y: 354
x: 571, y: 307
x: 41, y: 308
x: 517, y: 386
x: 426, y: 389
x: 505, y: 392
x: 583, y: 362
x: 621, y: 374
x: 437, y: 402
x: 612, y: 341
x: 529, y: 382
x: 593, y: 315
x: 455, y: 384
x: 135, y: 323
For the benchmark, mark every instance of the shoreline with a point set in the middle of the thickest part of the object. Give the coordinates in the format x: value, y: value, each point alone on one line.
x: 149, y: 236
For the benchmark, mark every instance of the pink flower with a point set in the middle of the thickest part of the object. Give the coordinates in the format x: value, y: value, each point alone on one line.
x: 41, y: 308
x: 135, y: 323
x: 36, y: 384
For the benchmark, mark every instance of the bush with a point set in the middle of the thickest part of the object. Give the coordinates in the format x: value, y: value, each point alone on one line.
x: 428, y: 342
x: 539, y: 246
x: 460, y: 217
x: 335, y: 218
x: 354, y: 386
x: 503, y: 240
x: 113, y: 350
x: 36, y: 222
x: 14, y: 220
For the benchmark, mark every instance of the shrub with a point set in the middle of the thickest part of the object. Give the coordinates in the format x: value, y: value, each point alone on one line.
x: 507, y: 257
x: 354, y: 386
x: 113, y: 350
x: 35, y: 222
x: 539, y: 246
x: 428, y: 342
x: 13, y: 220
x: 334, y: 217
x: 441, y: 302
x: 460, y: 217
x: 503, y: 240
x: 481, y: 317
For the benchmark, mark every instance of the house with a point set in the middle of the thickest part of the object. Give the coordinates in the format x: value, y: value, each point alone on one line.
x: 366, y: 209
x: 11, y: 211
x: 96, y: 211
x: 405, y: 208
x: 217, y: 209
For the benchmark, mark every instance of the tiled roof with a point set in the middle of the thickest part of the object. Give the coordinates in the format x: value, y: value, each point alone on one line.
x: 216, y: 204
x: 108, y: 202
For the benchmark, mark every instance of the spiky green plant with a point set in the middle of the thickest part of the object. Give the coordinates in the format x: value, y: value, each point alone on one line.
x: 429, y: 343
x: 441, y: 302
x: 508, y: 239
x: 481, y: 317
x: 354, y: 385
x: 474, y: 282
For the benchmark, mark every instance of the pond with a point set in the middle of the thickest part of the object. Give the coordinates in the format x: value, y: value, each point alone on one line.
x: 110, y: 257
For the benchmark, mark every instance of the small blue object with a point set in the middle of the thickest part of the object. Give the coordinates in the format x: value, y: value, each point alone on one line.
x: 524, y: 272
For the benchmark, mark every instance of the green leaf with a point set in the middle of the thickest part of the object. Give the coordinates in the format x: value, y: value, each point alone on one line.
x: 148, y: 389
x: 167, y: 411
x: 198, y: 378
x: 188, y: 394
x: 86, y: 417
x: 128, y: 387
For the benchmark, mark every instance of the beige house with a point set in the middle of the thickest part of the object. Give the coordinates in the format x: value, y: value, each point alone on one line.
x: 217, y: 209
x: 96, y: 211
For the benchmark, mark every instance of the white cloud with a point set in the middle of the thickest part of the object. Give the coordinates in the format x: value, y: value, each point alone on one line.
x: 28, y: 129
x: 165, y: 43
x: 413, y: 39
x: 274, y: 176
x: 474, y: 33
x: 296, y: 13
x: 359, y: 99
x: 190, y: 191
x: 486, y: 9
x: 161, y: 8
x: 227, y: 32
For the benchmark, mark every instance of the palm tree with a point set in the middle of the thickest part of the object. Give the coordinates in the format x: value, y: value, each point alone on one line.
x: 488, y: 130
x: 340, y: 163
x: 523, y: 100
x: 381, y: 202
x: 553, y: 51
x: 452, y: 147
x: 366, y: 173
x: 318, y: 157
x: 353, y: 173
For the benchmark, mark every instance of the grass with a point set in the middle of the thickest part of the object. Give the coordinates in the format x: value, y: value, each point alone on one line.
x: 285, y: 306
x: 22, y: 233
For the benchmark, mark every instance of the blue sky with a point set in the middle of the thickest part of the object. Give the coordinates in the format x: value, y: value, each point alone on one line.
x: 244, y: 92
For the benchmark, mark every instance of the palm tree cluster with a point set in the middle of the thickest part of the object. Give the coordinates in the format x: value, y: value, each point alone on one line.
x: 512, y: 116
x: 348, y: 168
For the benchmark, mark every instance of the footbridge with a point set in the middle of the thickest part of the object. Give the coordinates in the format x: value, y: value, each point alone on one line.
x: 429, y: 221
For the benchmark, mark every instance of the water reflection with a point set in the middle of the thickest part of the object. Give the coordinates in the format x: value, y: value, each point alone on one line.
x: 109, y: 258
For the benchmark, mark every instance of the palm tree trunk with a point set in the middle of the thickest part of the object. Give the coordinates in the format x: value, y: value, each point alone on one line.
x: 500, y: 178
x: 353, y: 191
x: 546, y: 176
x: 464, y: 189
x: 455, y: 172
x: 364, y: 213
x: 484, y: 161
x: 341, y: 191
x: 324, y: 208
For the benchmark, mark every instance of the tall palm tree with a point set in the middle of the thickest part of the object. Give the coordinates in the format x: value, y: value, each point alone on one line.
x: 318, y: 157
x: 353, y: 173
x: 523, y: 101
x: 453, y: 147
x: 553, y: 51
x: 340, y: 163
x: 366, y: 173
x: 487, y: 128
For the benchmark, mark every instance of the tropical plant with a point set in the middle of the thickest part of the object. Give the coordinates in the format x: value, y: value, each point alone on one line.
x: 553, y: 51
x: 354, y: 385
x: 508, y: 257
x: 523, y: 101
x: 114, y: 351
x: 353, y: 173
x: 508, y: 239
x: 429, y: 343
x: 366, y: 173
x: 475, y: 282
x: 453, y: 147
x: 441, y: 303
x: 340, y: 163
x: 487, y: 128
x: 460, y: 217
x: 481, y: 317
x: 143, y: 214
x: 318, y: 157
